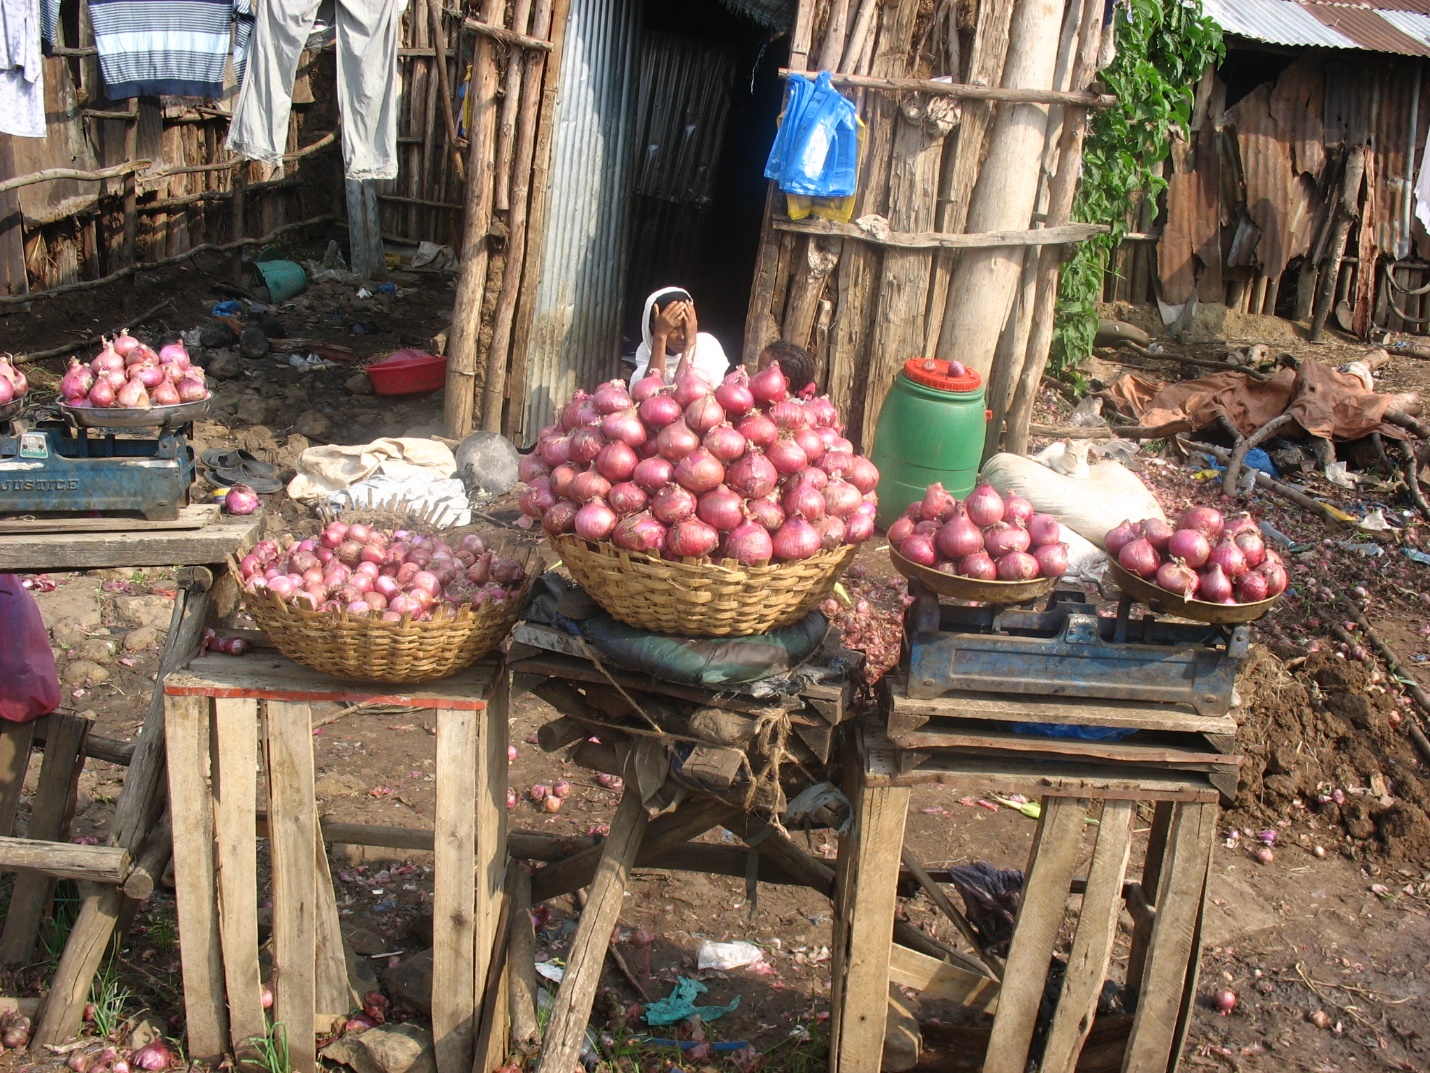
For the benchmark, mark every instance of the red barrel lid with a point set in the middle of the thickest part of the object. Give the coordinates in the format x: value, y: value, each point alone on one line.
x: 935, y: 373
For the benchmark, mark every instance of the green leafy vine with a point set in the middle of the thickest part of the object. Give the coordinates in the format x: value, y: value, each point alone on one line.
x: 1163, y: 46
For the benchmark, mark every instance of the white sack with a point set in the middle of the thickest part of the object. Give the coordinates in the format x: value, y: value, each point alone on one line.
x: 1089, y: 507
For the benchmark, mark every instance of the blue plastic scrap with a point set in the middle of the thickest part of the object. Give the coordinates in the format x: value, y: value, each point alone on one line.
x: 680, y: 1004
x: 1256, y: 459
x: 816, y: 149
x: 230, y: 308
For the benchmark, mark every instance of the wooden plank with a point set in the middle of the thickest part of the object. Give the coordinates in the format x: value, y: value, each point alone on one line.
x: 1152, y: 862
x: 1045, y: 894
x: 494, y: 1023
x: 866, y: 899
x: 333, y: 992
x: 491, y: 845
x: 1179, y: 906
x: 454, y: 979
x: 235, y: 796
x: 937, y: 240
x: 951, y: 736
x: 1003, y: 707
x: 196, y: 516
x: 571, y: 1010
x: 50, y: 813
x: 270, y: 676
x: 521, y: 962
x: 1067, y: 779
x: 1092, y: 945
x: 16, y: 740
x: 88, y: 551
x: 65, y: 860
x: 186, y: 732
x: 940, y: 980
x: 292, y: 848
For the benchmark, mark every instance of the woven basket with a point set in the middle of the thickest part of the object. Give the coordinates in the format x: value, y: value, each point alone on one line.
x: 693, y: 598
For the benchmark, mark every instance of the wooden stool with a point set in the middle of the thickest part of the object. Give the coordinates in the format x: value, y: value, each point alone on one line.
x: 213, y: 724
x: 1166, y: 907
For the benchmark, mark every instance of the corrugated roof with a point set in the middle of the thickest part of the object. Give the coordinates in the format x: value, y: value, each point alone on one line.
x: 1400, y: 27
x: 773, y: 14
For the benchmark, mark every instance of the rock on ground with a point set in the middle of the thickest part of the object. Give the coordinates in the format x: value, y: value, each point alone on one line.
x: 138, y: 611
x: 94, y: 650
x: 223, y: 365
x: 76, y: 602
x: 487, y: 462
x: 385, y: 1049
x: 80, y: 672
x: 253, y: 343
x: 312, y: 424
x: 142, y: 638
x: 410, y: 983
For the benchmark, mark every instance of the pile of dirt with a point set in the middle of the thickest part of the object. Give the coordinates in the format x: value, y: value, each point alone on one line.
x: 1318, y: 734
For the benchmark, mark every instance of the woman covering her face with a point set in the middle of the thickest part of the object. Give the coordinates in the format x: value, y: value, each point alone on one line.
x: 671, y: 340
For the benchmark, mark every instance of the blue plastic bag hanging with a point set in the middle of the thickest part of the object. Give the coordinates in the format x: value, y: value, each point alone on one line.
x: 816, y: 150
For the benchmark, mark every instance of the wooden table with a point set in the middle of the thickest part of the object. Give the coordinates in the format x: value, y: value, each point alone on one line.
x: 205, y: 591
x: 218, y: 711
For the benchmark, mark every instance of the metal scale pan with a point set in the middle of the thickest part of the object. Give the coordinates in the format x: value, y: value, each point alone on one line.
x: 164, y: 418
x: 10, y: 409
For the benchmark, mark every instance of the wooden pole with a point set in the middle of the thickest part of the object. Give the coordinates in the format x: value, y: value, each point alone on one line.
x: 1347, y: 212
x: 240, y: 188
x: 519, y: 195
x: 981, y: 289
x: 506, y: 127
x: 131, y: 216
x: 472, y: 281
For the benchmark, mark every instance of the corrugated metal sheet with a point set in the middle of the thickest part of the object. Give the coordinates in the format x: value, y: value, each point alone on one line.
x: 575, y: 339
x: 1399, y: 27
x: 776, y: 14
x: 1369, y: 30
x: 1280, y: 22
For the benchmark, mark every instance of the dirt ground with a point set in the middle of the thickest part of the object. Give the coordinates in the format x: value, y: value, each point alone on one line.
x: 1327, y: 946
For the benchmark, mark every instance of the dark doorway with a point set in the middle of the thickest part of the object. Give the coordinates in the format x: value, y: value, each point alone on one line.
x: 709, y: 94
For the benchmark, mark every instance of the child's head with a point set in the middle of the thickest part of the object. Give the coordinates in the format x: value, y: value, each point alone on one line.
x: 795, y: 362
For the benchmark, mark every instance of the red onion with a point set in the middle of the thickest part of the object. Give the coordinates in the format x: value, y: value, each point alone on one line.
x: 588, y: 486
x: 831, y: 530
x: 919, y: 548
x: 536, y: 501
x: 151, y: 376
x: 1229, y: 557
x: 1016, y: 566
x: 1242, y: 523
x: 595, y: 521
x: 720, y: 507
x: 653, y: 474
x: 690, y: 386
x: 7, y: 391
x: 561, y: 518
x: 767, y: 511
x: 841, y: 498
x: 1252, y: 546
x: 174, y: 354
x: 132, y: 396
x: 1276, y: 577
x: 1207, y: 520
x: 107, y: 359
x: 858, y: 528
x: 899, y: 531
x: 1157, y: 532
x: 837, y: 462
x: 585, y: 444
x: 579, y: 411
x: 813, y: 476
x: 810, y: 443
x: 646, y: 387
x: 699, y: 471
x: 531, y: 467
x: 804, y: 500
x: 749, y: 544
x: 1190, y: 546
x: 612, y: 397
x: 555, y: 450
x: 958, y: 538
x: 1178, y: 577
x: 1251, y: 588
x: 1139, y: 557
x: 821, y: 412
x: 676, y: 440
x: 788, y: 414
x: 659, y: 410
x: 752, y: 475
x: 1213, y: 585
x: 758, y: 429
x: 561, y: 478
x: 692, y: 538
x: 1052, y: 559
x: 1120, y: 536
x: 788, y: 457
x: 1224, y: 1001
x: 1016, y: 509
x: 978, y: 566
x: 123, y: 344
x: 863, y: 474
x: 191, y: 390
x: 617, y: 461
x: 241, y: 499
x: 734, y: 393
x: 984, y: 505
x: 704, y: 414
x: 640, y: 532
x: 769, y: 384
x: 626, y: 498
x: 796, y: 539
x: 77, y: 381
x: 1000, y: 538
x: 1044, y: 529
x: 673, y: 504
x: 166, y: 394
x: 724, y: 443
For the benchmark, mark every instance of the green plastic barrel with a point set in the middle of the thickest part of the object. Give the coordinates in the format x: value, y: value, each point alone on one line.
x: 931, y: 428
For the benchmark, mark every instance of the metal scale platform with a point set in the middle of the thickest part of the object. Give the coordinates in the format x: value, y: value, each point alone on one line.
x: 80, y: 461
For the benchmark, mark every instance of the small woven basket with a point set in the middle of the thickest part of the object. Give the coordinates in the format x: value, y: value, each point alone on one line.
x: 693, y: 598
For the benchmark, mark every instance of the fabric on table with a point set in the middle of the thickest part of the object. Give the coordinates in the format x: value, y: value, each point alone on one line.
x: 368, y: 82
x: 22, y: 82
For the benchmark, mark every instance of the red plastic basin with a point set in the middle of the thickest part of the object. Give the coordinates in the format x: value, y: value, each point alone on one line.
x: 408, y: 372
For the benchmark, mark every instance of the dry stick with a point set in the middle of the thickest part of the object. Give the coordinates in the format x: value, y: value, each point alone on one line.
x: 1239, y: 452
x: 506, y: 126
x: 1075, y: 98
x: 1187, y: 359
x: 1405, y: 421
x: 439, y: 39
x: 1301, y: 499
x: 1412, y: 480
x: 82, y: 344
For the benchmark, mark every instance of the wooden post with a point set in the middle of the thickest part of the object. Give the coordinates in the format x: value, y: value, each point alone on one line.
x: 240, y: 190
x: 472, y: 280
x: 521, y: 961
x: 1347, y: 212
x: 511, y: 99
x: 444, y: 81
x: 131, y: 215
x: 454, y: 974
x: 981, y: 288
x: 16, y: 740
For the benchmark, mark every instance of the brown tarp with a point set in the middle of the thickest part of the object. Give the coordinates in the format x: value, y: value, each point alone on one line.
x: 1325, y: 403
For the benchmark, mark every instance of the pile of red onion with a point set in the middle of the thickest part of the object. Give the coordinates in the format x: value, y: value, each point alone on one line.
x: 372, y: 573
x: 128, y: 375
x: 987, y: 537
x: 1202, y: 557
x: 13, y: 383
x: 737, y: 471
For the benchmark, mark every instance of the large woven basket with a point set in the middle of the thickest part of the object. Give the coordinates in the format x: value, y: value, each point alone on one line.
x: 693, y: 598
